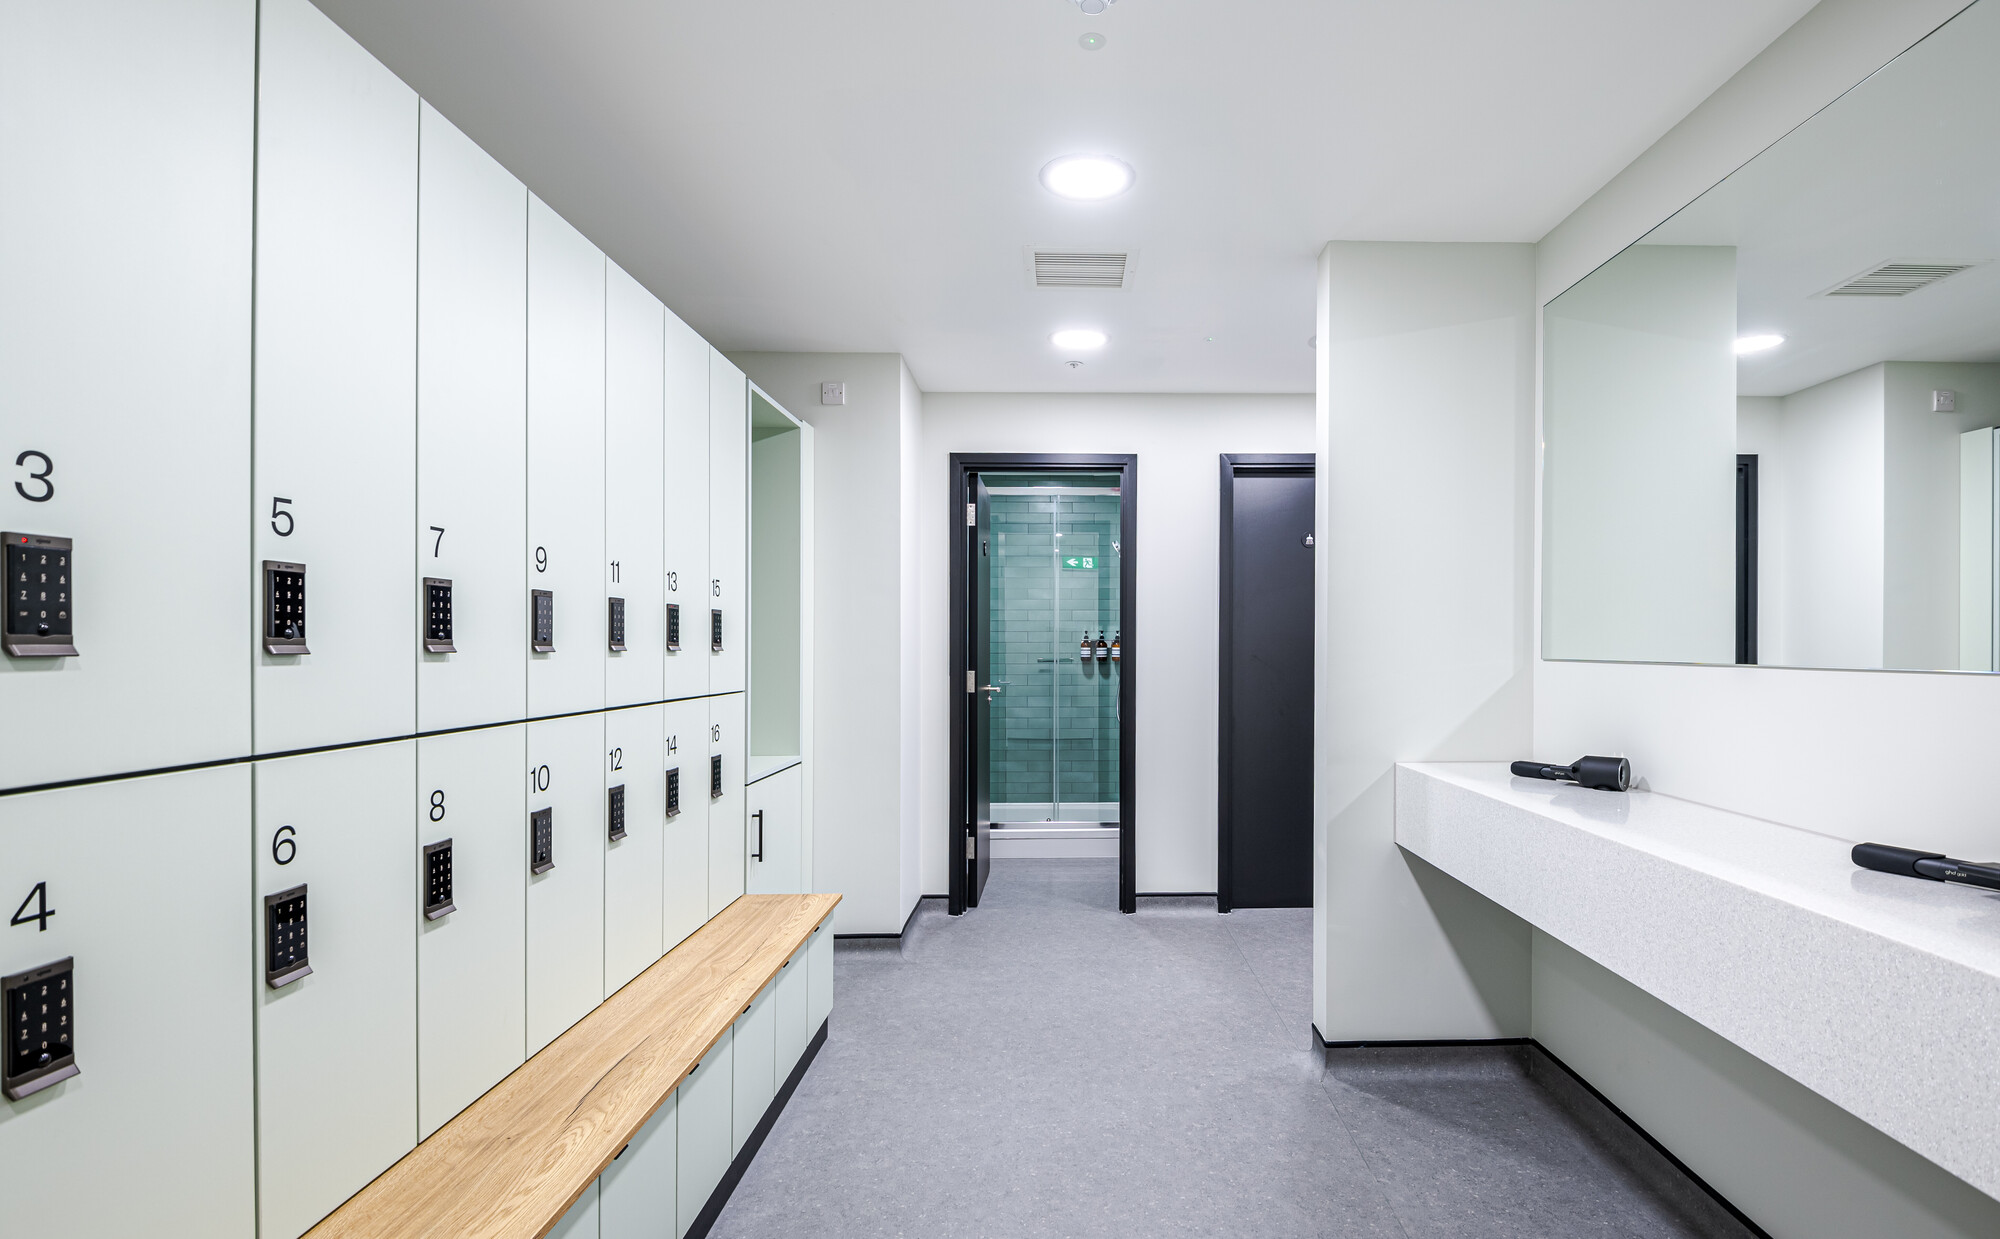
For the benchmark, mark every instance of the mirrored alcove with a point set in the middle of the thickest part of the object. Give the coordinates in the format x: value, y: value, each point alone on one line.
x: 1768, y: 425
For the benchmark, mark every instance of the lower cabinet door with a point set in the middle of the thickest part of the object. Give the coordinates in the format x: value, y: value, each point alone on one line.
x: 706, y: 1097
x: 561, y: 856
x: 771, y: 836
x: 819, y: 976
x: 636, y: 1192
x: 137, y: 888
x: 336, y: 862
x: 791, y: 994
x: 756, y: 1066
x: 470, y: 913
x: 722, y: 783
x: 684, y: 837
x: 581, y: 1222
x: 635, y: 812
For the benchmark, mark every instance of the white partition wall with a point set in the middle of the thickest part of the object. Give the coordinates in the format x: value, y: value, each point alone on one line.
x: 158, y: 1049
x: 142, y: 463
x: 635, y: 799
x: 565, y: 550
x: 566, y: 898
x: 335, y: 396
x: 728, y: 531
x: 472, y: 431
x: 686, y: 577
x: 684, y: 837
x: 634, y: 489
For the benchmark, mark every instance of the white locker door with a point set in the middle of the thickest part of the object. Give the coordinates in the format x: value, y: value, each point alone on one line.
x: 722, y: 783
x: 565, y: 464
x: 729, y: 520
x: 471, y: 962
x: 793, y: 990
x: 140, y: 885
x: 686, y: 535
x: 472, y: 434
x: 636, y: 789
x: 336, y: 1047
x: 819, y: 975
x: 126, y: 135
x: 566, y: 899
x: 771, y: 835
x: 756, y: 1068
x: 684, y: 859
x: 336, y: 372
x: 581, y: 1222
x: 636, y: 1192
x: 707, y: 1098
x: 634, y: 487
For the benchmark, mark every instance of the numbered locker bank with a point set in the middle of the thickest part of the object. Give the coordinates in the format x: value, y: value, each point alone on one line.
x: 729, y: 518
x: 635, y: 825
x: 684, y: 834
x: 686, y: 580
x: 127, y: 939
x: 634, y: 491
x: 136, y: 473
x: 335, y: 399
x: 723, y: 785
x: 562, y: 856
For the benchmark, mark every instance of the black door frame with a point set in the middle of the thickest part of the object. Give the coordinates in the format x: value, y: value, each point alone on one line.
x: 964, y: 467
x: 1746, y: 558
x: 1280, y: 464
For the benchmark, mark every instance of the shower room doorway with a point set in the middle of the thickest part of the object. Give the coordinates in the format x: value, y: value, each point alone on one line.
x: 1043, y: 634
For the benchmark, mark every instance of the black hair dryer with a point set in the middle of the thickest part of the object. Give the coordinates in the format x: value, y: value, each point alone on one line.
x: 1611, y: 774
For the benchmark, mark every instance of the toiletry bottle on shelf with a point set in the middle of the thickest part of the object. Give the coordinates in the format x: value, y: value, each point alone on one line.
x: 1115, y: 637
x: 1083, y: 649
x: 1103, y: 650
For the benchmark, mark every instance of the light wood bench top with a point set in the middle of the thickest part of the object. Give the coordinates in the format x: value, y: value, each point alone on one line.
x: 514, y: 1161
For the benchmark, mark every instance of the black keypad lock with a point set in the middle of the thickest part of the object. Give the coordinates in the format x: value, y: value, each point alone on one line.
x: 541, y: 840
x: 437, y: 880
x: 40, y: 617
x: 614, y: 812
x: 542, y: 621
x: 715, y: 630
x: 714, y: 775
x: 41, y: 1028
x: 437, y: 616
x: 285, y: 955
x: 284, y: 608
x: 673, y: 627
x: 674, y: 792
x: 614, y: 623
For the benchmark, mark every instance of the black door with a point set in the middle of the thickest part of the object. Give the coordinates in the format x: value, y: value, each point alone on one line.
x: 1266, y: 788
x: 979, y: 760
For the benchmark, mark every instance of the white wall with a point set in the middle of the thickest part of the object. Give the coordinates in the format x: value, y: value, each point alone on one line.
x: 1426, y: 379
x: 1832, y: 443
x: 910, y: 876
x: 1178, y: 440
x: 864, y: 785
x: 1920, y: 536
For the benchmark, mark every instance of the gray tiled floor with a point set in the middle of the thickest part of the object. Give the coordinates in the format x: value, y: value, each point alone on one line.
x: 1046, y: 1066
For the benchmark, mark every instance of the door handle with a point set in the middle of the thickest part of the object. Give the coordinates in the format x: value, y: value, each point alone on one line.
x: 989, y: 688
x: 759, y: 853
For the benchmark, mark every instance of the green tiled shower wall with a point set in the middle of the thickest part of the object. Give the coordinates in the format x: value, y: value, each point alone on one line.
x: 1040, y: 615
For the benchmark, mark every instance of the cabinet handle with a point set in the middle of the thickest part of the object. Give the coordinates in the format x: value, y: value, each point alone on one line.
x: 759, y: 853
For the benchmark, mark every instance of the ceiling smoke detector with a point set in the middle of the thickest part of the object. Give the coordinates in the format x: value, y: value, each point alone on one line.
x: 1092, y: 8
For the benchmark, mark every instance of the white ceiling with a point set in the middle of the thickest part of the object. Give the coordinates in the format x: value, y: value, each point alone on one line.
x: 860, y: 175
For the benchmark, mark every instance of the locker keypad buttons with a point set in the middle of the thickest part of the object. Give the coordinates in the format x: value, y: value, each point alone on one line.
x: 543, y: 621
x: 715, y: 776
x: 437, y: 616
x: 285, y: 957
x: 284, y: 608
x: 614, y: 812
x: 615, y: 624
x: 715, y: 629
x: 39, y: 622
x: 541, y: 840
x: 41, y: 1029
x: 437, y: 880
x: 673, y: 627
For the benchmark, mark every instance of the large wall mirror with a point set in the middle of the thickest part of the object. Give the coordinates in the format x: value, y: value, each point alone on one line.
x: 1768, y: 426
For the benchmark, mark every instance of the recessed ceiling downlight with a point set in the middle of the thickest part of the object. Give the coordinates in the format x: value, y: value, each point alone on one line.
x: 1757, y: 343
x: 1077, y: 338
x: 1087, y: 178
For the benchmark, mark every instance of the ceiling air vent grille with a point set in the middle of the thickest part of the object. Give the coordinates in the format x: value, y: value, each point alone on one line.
x: 1896, y: 279
x: 1056, y: 269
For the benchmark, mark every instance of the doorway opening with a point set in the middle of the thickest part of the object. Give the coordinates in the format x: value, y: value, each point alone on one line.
x: 1042, y: 639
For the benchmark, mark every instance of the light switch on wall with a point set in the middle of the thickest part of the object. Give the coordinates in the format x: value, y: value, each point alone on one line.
x: 833, y: 393
x: 1944, y: 401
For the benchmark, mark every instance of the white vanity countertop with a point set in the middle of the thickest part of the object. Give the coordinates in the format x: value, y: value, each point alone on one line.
x: 1880, y: 993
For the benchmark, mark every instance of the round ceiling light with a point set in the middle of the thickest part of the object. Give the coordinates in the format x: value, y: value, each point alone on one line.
x: 1087, y: 178
x: 1077, y: 338
x: 1757, y: 344
x: 1090, y: 42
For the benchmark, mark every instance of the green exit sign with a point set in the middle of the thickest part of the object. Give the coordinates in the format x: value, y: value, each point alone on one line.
x: 1081, y: 563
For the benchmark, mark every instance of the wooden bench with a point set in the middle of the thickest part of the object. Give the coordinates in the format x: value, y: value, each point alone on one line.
x: 513, y: 1162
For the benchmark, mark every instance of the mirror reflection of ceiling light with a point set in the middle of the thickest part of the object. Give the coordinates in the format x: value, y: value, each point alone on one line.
x: 1087, y: 178
x: 1757, y: 344
x: 1077, y: 338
